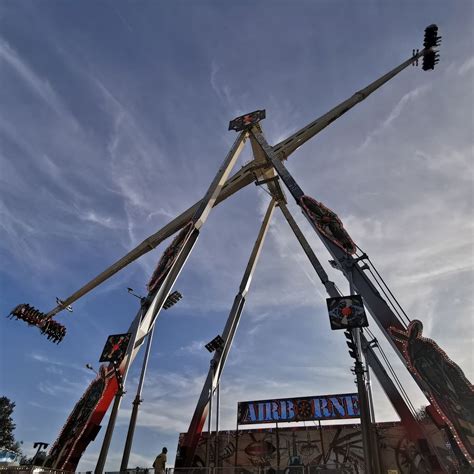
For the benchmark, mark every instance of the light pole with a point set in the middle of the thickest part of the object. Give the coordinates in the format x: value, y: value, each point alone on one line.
x: 40, y: 445
x: 217, y: 344
x: 89, y: 366
x: 172, y: 299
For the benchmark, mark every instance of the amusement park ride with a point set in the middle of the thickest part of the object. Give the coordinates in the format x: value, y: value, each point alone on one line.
x: 450, y: 394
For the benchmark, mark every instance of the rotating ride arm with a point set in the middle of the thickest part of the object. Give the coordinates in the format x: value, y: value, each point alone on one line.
x: 239, y: 180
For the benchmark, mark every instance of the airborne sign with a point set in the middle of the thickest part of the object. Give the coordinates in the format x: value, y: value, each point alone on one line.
x: 321, y: 407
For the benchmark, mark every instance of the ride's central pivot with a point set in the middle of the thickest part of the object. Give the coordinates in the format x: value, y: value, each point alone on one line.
x: 246, y: 121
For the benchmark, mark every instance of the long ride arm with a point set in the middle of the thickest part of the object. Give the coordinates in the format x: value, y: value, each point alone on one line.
x: 239, y: 180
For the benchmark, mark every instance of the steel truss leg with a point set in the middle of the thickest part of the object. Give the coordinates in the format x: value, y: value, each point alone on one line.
x: 188, y: 446
x: 405, y: 414
x: 154, y: 302
x: 333, y: 292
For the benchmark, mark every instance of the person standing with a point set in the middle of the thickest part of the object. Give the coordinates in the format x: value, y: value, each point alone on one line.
x: 160, y: 462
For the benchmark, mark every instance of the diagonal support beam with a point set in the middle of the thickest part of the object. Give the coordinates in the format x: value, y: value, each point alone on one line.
x: 404, y: 412
x: 191, y: 439
x: 381, y: 312
x: 369, y: 293
x: 158, y: 298
x: 406, y: 416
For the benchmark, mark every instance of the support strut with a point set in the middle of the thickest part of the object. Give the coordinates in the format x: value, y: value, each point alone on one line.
x: 406, y: 416
x: 188, y: 446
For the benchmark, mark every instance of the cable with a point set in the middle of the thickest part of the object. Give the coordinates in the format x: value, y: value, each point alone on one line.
x: 382, y: 287
x: 394, y: 375
x: 388, y: 300
x: 393, y: 296
x: 386, y: 286
x: 391, y: 370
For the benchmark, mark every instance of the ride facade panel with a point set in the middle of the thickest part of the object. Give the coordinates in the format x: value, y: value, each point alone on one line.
x: 284, y: 450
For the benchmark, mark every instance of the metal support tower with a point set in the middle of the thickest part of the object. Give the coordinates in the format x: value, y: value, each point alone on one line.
x: 350, y: 265
x: 155, y: 300
x: 188, y: 446
x: 267, y: 160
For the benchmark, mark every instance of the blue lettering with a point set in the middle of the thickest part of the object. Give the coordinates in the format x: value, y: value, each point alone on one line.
x: 268, y: 411
x: 316, y: 408
x: 338, y: 406
x: 251, y: 412
x: 290, y: 410
x: 276, y: 411
x: 324, y: 408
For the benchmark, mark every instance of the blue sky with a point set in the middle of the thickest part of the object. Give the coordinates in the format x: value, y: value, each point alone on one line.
x: 113, y: 119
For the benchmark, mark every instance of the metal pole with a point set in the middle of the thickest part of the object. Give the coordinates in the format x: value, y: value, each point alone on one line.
x: 277, y: 446
x: 373, y: 427
x: 108, y: 434
x: 216, y: 455
x: 322, y: 441
x: 136, y: 404
x: 40, y: 445
x: 209, y: 425
x: 368, y: 383
x: 363, y: 405
x: 118, y: 396
x: 365, y: 411
x: 236, y: 442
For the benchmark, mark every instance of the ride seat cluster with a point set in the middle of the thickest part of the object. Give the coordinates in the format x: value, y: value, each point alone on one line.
x: 54, y: 331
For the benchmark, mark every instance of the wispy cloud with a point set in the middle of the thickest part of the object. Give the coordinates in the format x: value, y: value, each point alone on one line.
x: 49, y: 361
x: 195, y: 348
x: 394, y: 114
x: 41, y: 87
x: 466, y: 66
x: 222, y: 90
